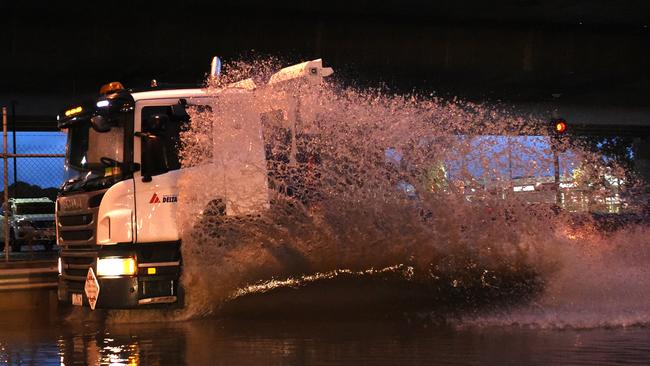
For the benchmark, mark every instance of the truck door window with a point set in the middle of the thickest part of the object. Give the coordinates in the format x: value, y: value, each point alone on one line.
x: 169, y: 140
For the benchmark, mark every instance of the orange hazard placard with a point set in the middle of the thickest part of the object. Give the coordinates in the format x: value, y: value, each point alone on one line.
x: 91, y: 288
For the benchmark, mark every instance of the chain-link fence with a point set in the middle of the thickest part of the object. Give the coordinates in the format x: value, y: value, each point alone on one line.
x: 32, y: 172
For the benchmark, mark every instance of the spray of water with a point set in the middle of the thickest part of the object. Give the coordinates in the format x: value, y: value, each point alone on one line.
x: 601, y: 281
x: 410, y: 193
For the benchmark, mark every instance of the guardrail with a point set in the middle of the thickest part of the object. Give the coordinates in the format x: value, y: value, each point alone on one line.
x: 41, y: 277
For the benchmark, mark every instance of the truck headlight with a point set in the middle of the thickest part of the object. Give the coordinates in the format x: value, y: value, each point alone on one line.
x: 60, y: 265
x: 114, y: 266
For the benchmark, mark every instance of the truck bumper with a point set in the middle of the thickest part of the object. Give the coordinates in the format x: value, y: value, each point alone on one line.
x: 155, y: 282
x: 126, y: 292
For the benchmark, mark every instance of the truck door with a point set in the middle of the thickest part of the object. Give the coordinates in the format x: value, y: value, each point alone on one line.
x: 156, y: 185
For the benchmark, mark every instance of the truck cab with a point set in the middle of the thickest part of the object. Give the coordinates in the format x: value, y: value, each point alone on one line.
x: 116, y: 214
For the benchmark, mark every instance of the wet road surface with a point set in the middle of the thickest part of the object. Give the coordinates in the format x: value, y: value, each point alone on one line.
x: 83, y: 339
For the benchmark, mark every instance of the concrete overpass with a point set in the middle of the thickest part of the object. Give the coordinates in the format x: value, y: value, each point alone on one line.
x: 585, y: 60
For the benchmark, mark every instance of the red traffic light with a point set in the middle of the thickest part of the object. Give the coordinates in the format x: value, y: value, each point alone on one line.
x: 559, y: 126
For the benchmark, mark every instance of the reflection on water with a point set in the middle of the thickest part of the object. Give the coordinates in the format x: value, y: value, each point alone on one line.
x: 89, y: 350
x: 126, y: 346
x: 26, y: 341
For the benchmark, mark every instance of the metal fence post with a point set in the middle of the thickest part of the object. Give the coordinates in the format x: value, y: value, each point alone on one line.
x: 6, y: 183
x: 13, y: 137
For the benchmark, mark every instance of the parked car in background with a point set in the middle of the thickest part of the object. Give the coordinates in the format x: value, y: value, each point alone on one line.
x: 31, y: 222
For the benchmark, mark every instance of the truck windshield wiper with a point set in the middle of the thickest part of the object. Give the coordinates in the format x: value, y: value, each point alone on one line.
x: 110, y: 162
x: 85, y: 184
x: 125, y: 168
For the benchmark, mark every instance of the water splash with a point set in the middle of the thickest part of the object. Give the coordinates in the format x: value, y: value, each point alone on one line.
x: 601, y: 282
x: 363, y: 184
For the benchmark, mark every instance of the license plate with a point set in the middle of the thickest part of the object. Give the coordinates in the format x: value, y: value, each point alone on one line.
x: 77, y: 299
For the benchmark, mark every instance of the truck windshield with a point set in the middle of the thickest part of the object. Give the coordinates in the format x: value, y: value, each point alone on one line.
x: 92, y: 160
x: 35, y: 208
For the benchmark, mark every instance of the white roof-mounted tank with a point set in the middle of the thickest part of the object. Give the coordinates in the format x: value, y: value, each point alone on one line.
x: 313, y: 71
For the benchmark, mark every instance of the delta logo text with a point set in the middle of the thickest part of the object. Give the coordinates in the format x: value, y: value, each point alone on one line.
x: 170, y: 198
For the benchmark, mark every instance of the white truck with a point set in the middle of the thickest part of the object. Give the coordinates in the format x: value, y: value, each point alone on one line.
x: 116, y: 214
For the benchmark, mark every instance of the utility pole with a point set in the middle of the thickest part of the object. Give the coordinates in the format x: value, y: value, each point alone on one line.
x: 558, y: 127
x: 556, y: 166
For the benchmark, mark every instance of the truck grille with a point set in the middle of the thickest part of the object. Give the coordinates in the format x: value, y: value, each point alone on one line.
x: 78, y: 235
x: 76, y: 228
x: 75, y: 220
x: 74, y: 266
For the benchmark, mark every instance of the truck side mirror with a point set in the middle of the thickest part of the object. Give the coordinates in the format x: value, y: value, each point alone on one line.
x: 154, y: 156
x: 179, y: 111
x: 100, y: 123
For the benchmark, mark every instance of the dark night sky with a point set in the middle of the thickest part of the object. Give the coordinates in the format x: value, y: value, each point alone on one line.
x: 590, y: 50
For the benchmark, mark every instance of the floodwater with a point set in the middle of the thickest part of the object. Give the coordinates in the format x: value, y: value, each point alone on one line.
x: 37, y: 340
